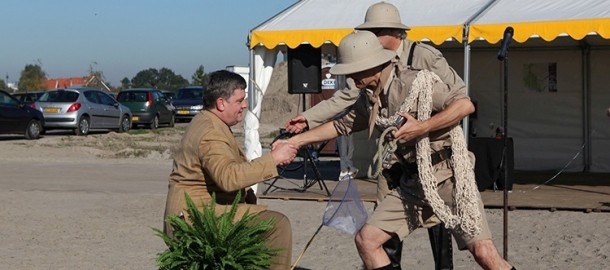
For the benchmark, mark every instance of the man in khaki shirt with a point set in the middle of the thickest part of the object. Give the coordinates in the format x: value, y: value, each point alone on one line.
x: 210, y: 160
x: 384, y: 87
x: 383, y: 19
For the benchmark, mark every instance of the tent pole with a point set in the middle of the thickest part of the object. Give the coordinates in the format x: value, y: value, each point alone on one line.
x: 465, y: 39
x: 251, y: 91
x: 466, y: 121
x: 586, y: 100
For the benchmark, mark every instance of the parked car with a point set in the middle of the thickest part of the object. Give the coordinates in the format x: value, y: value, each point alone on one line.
x: 171, y: 95
x: 29, y: 97
x: 188, y: 102
x: 148, y: 106
x: 82, y: 109
x: 18, y: 118
x: 112, y: 94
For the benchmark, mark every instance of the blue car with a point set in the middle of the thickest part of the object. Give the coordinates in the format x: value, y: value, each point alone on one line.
x: 188, y: 102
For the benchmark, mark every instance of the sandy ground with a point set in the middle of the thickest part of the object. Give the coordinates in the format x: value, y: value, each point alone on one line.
x: 91, y: 203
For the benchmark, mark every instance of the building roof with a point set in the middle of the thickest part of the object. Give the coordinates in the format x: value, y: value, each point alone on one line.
x: 66, y: 82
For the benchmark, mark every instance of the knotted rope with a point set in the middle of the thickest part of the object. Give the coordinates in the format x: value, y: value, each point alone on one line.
x: 384, y: 150
x: 465, y: 215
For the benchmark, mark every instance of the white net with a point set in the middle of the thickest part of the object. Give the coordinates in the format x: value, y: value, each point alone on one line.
x: 345, y: 210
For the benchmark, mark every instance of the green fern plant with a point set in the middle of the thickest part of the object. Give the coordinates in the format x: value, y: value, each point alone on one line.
x: 211, y: 241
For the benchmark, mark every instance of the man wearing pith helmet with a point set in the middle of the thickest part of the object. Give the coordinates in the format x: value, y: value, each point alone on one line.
x: 383, y: 19
x: 431, y: 163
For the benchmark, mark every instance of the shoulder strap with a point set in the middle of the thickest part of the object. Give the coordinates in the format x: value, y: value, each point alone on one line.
x: 411, y: 50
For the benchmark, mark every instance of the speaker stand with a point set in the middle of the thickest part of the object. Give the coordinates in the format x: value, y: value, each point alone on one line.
x: 307, y: 153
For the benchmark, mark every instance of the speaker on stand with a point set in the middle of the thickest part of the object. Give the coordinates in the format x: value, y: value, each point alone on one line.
x: 304, y: 70
x: 305, y: 77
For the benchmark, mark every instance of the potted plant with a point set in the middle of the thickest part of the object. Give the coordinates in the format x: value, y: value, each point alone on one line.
x: 211, y: 241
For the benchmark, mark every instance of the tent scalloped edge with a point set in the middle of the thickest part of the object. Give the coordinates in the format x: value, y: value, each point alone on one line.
x: 547, y: 30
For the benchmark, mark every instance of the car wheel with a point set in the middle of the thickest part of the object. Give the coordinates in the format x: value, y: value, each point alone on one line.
x: 172, y: 121
x: 83, y: 126
x: 33, y: 130
x: 155, y: 123
x: 125, y: 124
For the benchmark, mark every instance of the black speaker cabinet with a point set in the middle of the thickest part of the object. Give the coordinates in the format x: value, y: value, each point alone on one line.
x: 304, y: 72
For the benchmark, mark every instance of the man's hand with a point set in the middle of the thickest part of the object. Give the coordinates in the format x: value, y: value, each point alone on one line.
x: 296, y: 124
x: 411, y: 129
x: 451, y: 115
x: 283, y: 152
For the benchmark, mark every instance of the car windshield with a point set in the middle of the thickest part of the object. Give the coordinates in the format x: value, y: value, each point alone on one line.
x: 59, y: 96
x: 27, y: 97
x: 6, y: 99
x: 133, y: 96
x: 190, y: 93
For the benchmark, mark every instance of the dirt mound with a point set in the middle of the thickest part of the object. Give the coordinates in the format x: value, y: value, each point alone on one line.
x: 278, y: 105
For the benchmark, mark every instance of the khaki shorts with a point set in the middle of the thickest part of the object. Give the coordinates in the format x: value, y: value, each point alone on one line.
x: 403, y: 214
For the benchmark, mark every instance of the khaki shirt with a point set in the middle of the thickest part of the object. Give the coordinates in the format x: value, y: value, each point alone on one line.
x: 210, y: 160
x: 424, y: 57
x: 357, y: 118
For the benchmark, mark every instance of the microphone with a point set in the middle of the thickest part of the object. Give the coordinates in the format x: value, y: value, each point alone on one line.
x: 508, y: 35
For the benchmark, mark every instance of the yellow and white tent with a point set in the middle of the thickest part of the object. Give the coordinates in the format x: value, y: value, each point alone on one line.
x: 549, y: 127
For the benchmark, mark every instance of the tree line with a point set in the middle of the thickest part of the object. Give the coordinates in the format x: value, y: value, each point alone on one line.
x: 33, y: 77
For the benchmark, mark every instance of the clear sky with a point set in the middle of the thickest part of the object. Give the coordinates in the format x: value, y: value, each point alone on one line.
x: 122, y: 37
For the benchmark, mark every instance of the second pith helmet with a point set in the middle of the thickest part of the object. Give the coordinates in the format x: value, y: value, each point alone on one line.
x: 382, y: 15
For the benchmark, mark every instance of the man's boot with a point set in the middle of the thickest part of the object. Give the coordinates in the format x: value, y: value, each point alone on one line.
x: 393, y: 248
x: 440, y: 241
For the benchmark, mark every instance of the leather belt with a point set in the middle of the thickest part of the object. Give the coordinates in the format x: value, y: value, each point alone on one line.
x: 393, y: 174
x: 441, y: 155
x: 436, y: 157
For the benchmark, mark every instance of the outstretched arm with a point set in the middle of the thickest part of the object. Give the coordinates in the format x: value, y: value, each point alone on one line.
x: 451, y: 115
x: 325, y: 110
x: 324, y: 132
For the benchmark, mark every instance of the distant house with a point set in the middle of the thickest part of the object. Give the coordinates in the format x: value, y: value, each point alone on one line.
x: 90, y: 81
x: 66, y: 82
x: 12, y: 86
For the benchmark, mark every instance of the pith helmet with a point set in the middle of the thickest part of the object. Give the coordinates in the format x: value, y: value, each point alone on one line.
x: 360, y: 51
x: 382, y: 15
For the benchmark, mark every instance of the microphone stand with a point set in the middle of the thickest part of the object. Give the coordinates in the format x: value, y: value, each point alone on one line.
x: 502, y: 56
x: 504, y: 164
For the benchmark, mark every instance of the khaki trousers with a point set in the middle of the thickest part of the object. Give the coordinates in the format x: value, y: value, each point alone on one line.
x: 280, y: 237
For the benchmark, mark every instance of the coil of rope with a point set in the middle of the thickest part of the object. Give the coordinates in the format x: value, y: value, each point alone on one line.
x: 464, y: 216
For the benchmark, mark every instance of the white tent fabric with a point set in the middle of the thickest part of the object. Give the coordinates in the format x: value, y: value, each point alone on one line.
x: 316, y: 22
x: 320, y: 22
x: 264, y: 60
x: 263, y: 67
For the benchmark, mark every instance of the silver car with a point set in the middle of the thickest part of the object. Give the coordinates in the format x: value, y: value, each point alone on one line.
x: 82, y: 109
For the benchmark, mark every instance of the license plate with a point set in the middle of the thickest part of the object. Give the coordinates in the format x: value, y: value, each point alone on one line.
x: 51, y: 110
x: 135, y: 118
x: 183, y: 112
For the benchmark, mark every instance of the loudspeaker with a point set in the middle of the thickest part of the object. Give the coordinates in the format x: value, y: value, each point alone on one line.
x: 304, y: 70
